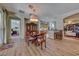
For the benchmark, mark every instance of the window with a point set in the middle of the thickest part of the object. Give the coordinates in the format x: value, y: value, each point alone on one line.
x: 1, y: 29
x: 52, y: 26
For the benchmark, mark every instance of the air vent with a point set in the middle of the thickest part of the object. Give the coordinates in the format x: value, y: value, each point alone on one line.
x: 26, y: 18
x: 21, y: 11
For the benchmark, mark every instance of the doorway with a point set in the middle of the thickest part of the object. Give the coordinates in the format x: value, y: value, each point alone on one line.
x: 15, y: 28
x: 71, y: 27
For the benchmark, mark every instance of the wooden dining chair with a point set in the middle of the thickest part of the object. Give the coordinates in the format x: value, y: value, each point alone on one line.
x: 42, y: 40
x: 28, y: 38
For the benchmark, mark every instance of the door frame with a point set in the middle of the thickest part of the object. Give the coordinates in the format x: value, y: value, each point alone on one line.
x: 20, y: 26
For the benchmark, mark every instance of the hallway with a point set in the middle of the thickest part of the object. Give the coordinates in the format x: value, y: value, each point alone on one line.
x: 54, y: 48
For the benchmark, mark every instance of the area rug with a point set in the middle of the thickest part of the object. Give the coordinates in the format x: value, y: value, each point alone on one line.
x: 7, y: 46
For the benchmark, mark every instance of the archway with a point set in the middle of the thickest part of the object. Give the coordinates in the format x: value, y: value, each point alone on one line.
x: 71, y: 26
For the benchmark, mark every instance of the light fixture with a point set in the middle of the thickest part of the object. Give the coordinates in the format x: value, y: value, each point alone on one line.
x: 69, y: 22
x: 33, y: 18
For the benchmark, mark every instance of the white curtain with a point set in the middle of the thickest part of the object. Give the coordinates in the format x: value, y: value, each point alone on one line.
x: 1, y: 28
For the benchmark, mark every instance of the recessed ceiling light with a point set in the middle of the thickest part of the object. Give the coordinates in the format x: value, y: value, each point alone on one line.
x: 31, y: 6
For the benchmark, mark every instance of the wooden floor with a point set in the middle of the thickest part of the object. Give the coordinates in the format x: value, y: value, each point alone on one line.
x: 54, y: 48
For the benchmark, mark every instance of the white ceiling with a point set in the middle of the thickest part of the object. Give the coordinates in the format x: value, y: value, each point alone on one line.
x: 44, y: 10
